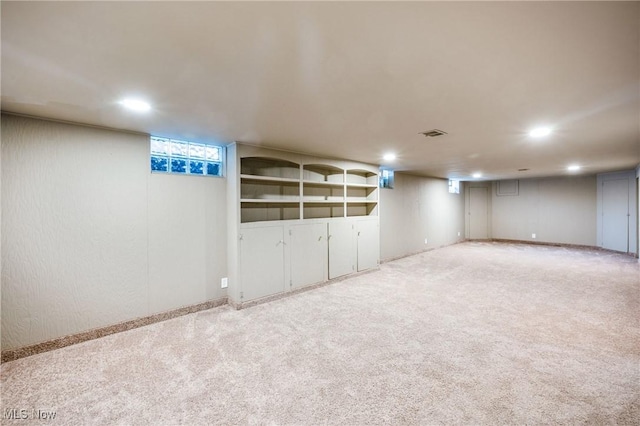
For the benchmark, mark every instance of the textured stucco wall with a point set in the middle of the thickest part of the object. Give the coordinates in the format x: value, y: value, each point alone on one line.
x: 92, y: 238
x: 418, y: 208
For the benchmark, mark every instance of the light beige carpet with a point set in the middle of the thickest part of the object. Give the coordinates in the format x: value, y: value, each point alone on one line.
x: 476, y: 333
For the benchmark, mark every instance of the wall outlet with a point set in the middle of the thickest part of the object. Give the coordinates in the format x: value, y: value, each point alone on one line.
x: 533, y: 236
x: 458, y: 233
x: 425, y: 241
x: 224, y: 283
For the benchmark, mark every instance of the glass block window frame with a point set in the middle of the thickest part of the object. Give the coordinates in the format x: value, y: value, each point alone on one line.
x: 454, y: 186
x: 386, y: 179
x: 186, y: 158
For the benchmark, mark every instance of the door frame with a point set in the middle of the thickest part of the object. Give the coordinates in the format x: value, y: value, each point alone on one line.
x: 467, y: 207
x: 632, y: 229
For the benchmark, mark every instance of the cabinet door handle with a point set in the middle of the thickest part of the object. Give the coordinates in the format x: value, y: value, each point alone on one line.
x: 320, y: 238
x: 281, y: 242
x: 329, y: 237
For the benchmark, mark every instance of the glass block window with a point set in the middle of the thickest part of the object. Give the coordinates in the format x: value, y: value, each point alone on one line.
x: 454, y: 186
x: 386, y: 179
x: 188, y: 158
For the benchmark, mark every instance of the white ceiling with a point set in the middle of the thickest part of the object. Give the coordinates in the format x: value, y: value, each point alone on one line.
x: 349, y: 80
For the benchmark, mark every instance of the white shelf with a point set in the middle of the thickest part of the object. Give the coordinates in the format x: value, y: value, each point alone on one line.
x: 361, y: 201
x: 269, y: 201
x: 268, y: 179
x: 361, y: 185
x: 322, y: 183
x: 321, y: 201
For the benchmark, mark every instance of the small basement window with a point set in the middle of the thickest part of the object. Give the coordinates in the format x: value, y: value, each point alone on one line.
x: 454, y: 186
x: 188, y: 158
x: 386, y: 179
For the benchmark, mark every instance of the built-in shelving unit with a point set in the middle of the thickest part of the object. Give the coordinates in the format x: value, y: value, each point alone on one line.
x: 269, y: 189
x: 361, y: 192
x: 295, y: 220
x: 322, y: 191
x: 276, y: 189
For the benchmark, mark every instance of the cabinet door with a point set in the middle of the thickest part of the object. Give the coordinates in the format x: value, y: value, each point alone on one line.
x: 341, y: 249
x: 309, y: 254
x: 261, y: 262
x: 368, y: 244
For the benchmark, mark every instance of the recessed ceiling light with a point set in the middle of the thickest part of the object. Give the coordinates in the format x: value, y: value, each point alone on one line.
x: 135, y: 105
x: 540, y: 132
x: 389, y: 157
x: 476, y: 175
x: 573, y: 168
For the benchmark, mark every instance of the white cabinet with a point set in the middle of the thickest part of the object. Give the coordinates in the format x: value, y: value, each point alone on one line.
x: 368, y: 242
x: 261, y: 262
x: 341, y: 249
x: 294, y: 220
x: 308, y: 254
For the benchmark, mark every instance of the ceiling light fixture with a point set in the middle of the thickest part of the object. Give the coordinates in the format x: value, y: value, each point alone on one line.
x: 540, y: 132
x: 135, y: 105
x: 476, y: 175
x: 573, y: 168
x: 389, y: 157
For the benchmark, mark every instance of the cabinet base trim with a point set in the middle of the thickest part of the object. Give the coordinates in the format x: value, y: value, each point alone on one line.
x: 72, y: 339
x: 243, y: 305
x: 402, y: 256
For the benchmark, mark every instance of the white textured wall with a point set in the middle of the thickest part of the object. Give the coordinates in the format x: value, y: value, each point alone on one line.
x: 91, y: 238
x: 418, y: 208
x: 187, y: 240
x: 557, y: 210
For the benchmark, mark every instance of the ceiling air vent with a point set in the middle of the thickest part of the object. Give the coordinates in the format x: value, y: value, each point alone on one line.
x: 433, y: 133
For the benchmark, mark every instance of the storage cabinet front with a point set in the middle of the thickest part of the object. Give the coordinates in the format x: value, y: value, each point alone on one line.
x: 309, y: 253
x: 368, y: 244
x: 261, y: 262
x: 341, y: 249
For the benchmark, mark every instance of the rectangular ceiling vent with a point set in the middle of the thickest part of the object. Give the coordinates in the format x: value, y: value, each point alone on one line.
x: 433, y: 133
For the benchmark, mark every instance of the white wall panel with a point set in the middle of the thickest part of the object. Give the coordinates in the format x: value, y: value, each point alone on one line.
x: 557, y: 210
x: 73, y: 228
x: 90, y: 238
x: 187, y: 242
x: 419, y: 208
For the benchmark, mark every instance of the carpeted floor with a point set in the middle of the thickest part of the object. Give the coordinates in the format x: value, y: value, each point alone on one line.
x: 476, y: 333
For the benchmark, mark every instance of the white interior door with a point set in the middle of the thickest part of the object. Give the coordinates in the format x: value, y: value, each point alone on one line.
x: 615, y: 214
x: 261, y: 262
x: 341, y: 249
x: 478, y: 214
x: 368, y: 244
x: 309, y: 254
